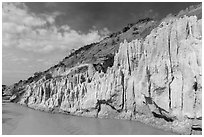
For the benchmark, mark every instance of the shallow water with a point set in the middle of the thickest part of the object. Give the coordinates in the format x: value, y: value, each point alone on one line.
x: 17, y: 119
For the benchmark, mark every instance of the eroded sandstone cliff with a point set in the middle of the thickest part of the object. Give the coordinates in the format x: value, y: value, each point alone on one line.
x: 156, y: 77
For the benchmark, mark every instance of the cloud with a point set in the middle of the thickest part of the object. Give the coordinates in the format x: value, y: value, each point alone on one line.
x: 9, y: 57
x: 39, y: 33
x: 104, y: 32
x: 47, y: 61
x: 150, y: 13
x: 50, y: 4
x: 147, y: 13
x: 20, y: 59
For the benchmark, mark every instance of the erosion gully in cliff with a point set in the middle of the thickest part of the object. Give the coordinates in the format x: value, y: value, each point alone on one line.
x: 156, y: 80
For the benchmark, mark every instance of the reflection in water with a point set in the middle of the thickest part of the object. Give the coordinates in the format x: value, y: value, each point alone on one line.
x: 22, y: 120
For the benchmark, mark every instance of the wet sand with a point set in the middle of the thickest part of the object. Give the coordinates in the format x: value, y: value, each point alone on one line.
x: 17, y: 119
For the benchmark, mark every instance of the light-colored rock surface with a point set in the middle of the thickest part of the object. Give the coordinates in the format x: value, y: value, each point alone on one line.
x: 159, y: 76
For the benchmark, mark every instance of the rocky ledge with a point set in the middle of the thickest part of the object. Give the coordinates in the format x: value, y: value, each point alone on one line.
x: 155, y: 80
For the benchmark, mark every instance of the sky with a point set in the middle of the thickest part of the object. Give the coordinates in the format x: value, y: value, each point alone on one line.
x: 35, y: 36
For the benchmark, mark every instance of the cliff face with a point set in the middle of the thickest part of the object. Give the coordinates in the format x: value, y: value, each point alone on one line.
x: 155, y: 77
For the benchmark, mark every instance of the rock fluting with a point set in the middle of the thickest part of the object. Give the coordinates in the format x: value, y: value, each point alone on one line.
x: 155, y: 77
